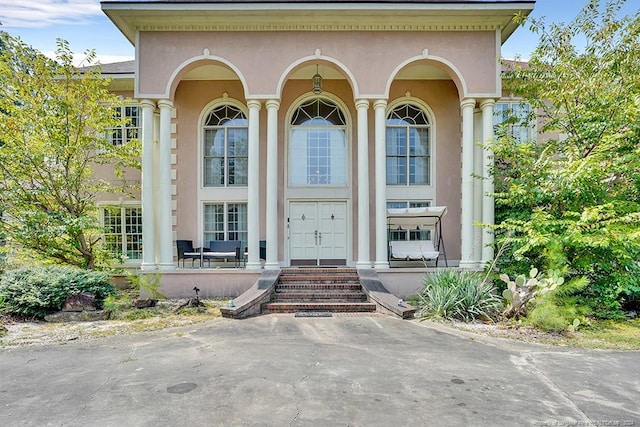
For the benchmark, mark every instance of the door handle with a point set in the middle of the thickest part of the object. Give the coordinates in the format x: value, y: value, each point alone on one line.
x: 315, y: 235
x: 320, y: 238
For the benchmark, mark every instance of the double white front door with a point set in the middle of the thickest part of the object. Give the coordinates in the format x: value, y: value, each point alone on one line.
x: 318, y: 233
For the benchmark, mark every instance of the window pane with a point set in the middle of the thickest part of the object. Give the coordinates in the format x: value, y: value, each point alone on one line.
x: 213, y: 161
x: 317, y: 157
x: 213, y: 222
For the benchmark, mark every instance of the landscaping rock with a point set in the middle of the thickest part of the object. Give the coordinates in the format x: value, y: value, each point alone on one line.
x: 77, y: 316
x: 83, y: 301
x: 144, y: 303
x: 189, y: 302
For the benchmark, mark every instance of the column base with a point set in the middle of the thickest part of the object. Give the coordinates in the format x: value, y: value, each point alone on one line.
x: 148, y: 266
x: 166, y: 266
x: 253, y: 266
x: 361, y: 265
x: 380, y: 265
x: 272, y: 266
x: 469, y: 265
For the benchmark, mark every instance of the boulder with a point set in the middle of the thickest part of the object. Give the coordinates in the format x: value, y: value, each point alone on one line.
x: 83, y: 301
x: 77, y: 316
x: 144, y: 303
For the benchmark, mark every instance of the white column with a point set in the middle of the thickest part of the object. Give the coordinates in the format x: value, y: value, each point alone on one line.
x: 477, y: 189
x: 165, y: 225
x: 466, y: 259
x: 253, y: 189
x: 488, y: 207
x: 380, y: 109
x: 148, y: 208
x: 362, y: 107
x: 271, y: 262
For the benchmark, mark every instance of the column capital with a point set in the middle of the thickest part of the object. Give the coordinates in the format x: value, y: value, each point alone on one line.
x: 273, y: 103
x: 380, y: 103
x: 490, y: 102
x: 165, y: 103
x: 468, y: 102
x: 147, y: 103
x: 362, y: 103
x: 254, y: 103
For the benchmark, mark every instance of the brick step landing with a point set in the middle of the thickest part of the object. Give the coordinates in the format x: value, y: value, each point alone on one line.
x: 324, y: 296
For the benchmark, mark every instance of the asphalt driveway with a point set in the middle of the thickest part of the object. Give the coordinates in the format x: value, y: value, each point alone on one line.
x: 339, y: 371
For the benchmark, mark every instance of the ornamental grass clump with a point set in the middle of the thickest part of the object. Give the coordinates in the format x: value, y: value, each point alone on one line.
x: 459, y: 295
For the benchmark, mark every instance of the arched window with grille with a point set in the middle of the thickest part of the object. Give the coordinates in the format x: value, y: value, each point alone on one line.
x: 225, y: 147
x: 317, y: 146
x: 408, y: 146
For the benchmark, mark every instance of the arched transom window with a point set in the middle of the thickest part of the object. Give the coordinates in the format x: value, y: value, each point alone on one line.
x: 408, y: 146
x: 225, y: 147
x: 317, y: 147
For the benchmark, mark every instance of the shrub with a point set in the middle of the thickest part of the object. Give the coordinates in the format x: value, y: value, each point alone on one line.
x: 37, y: 291
x: 461, y: 295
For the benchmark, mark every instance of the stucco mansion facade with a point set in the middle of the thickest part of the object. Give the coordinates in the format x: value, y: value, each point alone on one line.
x: 299, y: 123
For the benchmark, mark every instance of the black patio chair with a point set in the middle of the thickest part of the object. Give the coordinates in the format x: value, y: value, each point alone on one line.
x: 187, y: 251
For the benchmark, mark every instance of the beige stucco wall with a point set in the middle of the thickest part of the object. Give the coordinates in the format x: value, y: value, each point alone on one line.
x: 262, y: 58
x: 191, y: 97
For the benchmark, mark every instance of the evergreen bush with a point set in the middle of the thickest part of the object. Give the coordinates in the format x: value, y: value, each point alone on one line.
x: 37, y: 291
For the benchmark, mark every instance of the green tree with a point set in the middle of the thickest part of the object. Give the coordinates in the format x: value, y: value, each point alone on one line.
x: 53, y: 131
x: 572, y: 202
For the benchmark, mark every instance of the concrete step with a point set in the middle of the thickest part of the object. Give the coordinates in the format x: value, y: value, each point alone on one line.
x: 333, y: 307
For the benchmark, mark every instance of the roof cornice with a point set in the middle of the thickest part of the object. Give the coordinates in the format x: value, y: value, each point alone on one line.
x: 131, y: 17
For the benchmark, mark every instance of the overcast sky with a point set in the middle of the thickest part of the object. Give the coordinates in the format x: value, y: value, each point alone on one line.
x: 84, y: 26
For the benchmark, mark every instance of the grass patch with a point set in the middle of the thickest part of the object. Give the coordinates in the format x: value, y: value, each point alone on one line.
x: 610, y: 334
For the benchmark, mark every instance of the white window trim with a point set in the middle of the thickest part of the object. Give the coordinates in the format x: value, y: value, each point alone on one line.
x: 513, y: 100
x: 408, y: 192
x: 121, y: 204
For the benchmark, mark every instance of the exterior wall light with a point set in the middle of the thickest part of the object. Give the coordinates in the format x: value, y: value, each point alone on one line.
x: 317, y: 82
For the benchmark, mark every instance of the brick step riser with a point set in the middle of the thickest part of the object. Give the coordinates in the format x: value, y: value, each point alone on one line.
x: 319, y: 286
x: 319, y: 298
x: 314, y: 285
x: 330, y: 307
x: 286, y: 272
x: 320, y: 279
x: 336, y: 293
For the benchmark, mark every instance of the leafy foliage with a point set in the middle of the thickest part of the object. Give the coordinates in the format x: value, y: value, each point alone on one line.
x: 37, y: 291
x: 572, y: 203
x: 53, y: 122
x: 461, y: 295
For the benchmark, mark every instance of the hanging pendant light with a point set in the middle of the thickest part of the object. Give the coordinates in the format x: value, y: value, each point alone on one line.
x: 317, y: 82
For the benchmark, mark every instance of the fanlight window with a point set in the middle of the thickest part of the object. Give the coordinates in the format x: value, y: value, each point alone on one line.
x: 317, y: 148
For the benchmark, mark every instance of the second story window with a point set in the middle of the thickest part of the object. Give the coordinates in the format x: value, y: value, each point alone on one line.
x: 408, y: 146
x: 130, y: 124
x: 225, y: 148
x: 513, y: 119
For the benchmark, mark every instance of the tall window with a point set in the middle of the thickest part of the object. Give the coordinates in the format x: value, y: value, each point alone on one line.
x: 225, y: 221
x: 123, y: 231
x: 129, y: 128
x: 408, y: 146
x: 514, y: 119
x: 409, y: 234
x: 225, y: 151
x: 317, y: 149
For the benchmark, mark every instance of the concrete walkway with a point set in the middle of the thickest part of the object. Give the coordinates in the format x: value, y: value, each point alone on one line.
x: 339, y: 371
